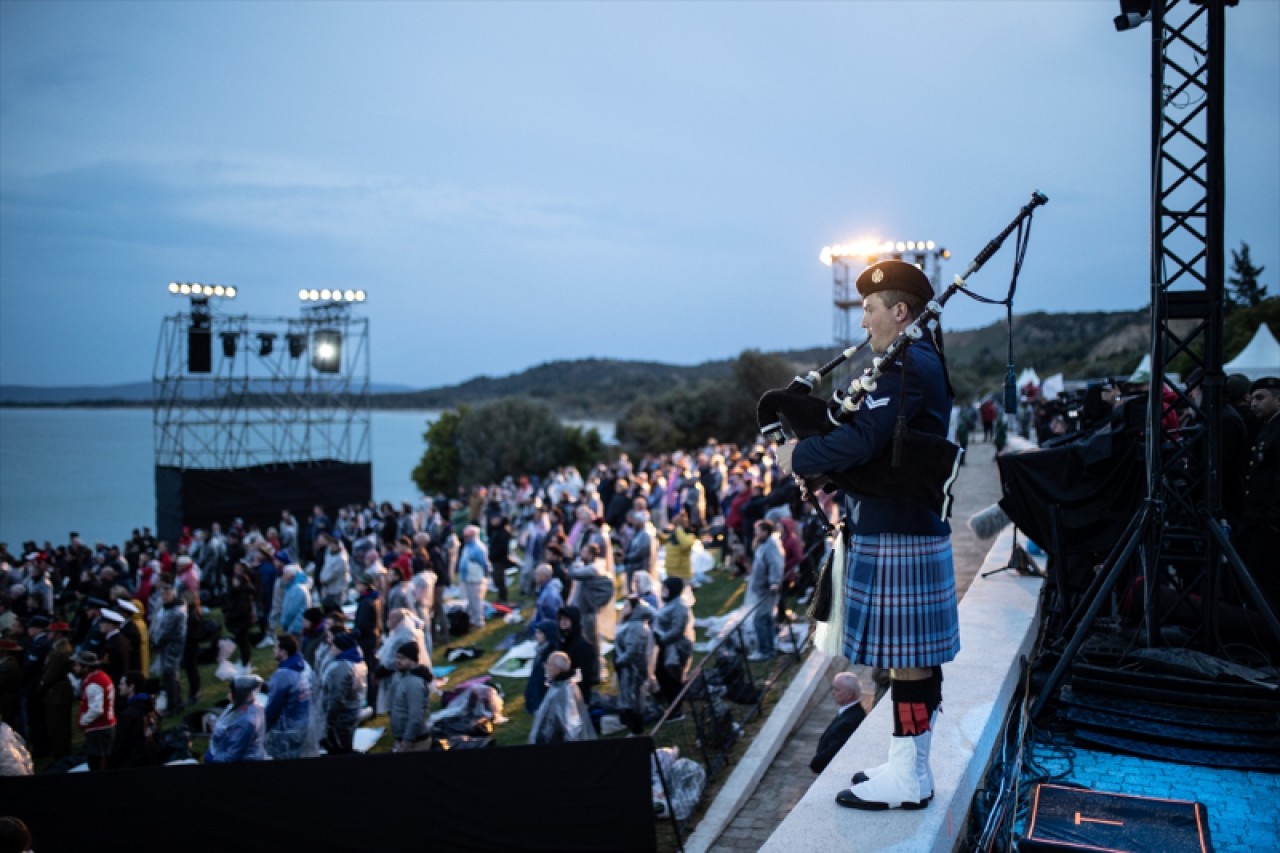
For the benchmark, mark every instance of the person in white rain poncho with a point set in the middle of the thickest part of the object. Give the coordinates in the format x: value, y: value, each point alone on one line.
x: 562, y: 716
x: 402, y: 627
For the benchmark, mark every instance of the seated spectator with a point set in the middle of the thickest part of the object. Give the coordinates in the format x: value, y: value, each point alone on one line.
x: 239, y: 733
x: 846, y: 690
x: 563, y: 715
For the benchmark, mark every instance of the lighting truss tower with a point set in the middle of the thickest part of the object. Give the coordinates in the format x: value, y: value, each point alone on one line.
x: 285, y: 404
x: 1180, y: 524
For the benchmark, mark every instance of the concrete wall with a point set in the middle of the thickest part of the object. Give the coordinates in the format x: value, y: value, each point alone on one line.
x: 998, y: 622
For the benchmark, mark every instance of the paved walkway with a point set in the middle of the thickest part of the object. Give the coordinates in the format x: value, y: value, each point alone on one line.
x: 787, y: 779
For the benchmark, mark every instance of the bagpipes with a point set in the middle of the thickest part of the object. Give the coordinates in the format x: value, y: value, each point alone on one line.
x: 921, y: 467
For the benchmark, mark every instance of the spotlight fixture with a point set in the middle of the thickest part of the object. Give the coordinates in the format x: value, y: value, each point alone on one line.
x: 266, y: 343
x: 196, y: 290
x: 297, y: 344
x: 229, y: 344
x: 326, y: 353
x: 1133, y: 13
x: 327, y: 295
x: 868, y: 251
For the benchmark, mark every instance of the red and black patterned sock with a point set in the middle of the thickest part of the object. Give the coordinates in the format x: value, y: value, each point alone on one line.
x: 914, y: 703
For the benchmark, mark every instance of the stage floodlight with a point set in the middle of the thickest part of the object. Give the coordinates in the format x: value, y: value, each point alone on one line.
x: 326, y: 353
x: 360, y: 296
x: 266, y: 343
x: 325, y: 294
x: 297, y: 344
x: 196, y: 290
x: 1133, y: 13
x: 302, y: 294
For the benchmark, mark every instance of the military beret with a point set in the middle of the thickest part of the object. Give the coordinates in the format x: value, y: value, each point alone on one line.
x: 1266, y: 383
x: 894, y: 275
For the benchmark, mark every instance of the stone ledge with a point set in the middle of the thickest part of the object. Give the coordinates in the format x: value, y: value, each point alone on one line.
x: 998, y: 621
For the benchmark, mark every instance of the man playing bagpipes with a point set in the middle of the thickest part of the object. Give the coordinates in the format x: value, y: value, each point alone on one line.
x: 899, y: 596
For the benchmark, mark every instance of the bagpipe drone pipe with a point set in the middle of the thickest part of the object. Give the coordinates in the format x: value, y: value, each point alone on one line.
x: 921, y: 467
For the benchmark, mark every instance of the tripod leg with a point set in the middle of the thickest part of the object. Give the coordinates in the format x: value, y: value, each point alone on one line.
x: 1242, y: 574
x: 1108, y: 577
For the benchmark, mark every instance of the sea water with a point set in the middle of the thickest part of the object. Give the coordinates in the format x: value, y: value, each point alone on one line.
x: 92, y: 471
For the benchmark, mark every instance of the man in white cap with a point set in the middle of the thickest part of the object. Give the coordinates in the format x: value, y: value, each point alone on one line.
x: 116, y: 644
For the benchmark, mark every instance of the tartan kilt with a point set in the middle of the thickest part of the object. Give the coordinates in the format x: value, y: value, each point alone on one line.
x: 900, y: 601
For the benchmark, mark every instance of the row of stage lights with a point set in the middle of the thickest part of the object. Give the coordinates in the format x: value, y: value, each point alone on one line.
x: 197, y: 290
x: 868, y: 250
x: 327, y: 295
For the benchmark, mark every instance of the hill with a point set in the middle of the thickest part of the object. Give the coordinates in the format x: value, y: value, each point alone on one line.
x: 1079, y: 345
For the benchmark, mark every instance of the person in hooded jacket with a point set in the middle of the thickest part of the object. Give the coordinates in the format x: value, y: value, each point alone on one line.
x: 169, y: 636
x: 582, y: 655
x: 288, y: 701
x: 240, y: 610
x: 239, y: 733
x: 631, y: 661
x: 346, y: 682
x: 402, y: 627
x: 547, y: 636
x: 563, y: 715
x: 673, y: 632
x: 297, y: 598
x: 410, y: 695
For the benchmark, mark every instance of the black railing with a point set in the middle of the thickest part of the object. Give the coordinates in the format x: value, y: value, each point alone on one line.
x: 695, y: 739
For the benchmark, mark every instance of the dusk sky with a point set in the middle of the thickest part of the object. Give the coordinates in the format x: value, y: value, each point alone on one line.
x: 514, y: 183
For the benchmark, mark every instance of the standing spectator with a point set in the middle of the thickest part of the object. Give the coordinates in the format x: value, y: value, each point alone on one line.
x: 335, y: 573
x: 319, y: 525
x: 673, y: 632
x: 500, y: 553
x: 584, y: 656
x: 345, y: 684
x: 288, y: 701
x: 10, y: 681
x: 288, y: 532
x: 169, y: 636
x: 116, y: 644
x: 137, y: 738
x: 641, y: 555
x: 191, y: 646
x: 55, y: 691
x: 240, y: 611
x: 474, y: 571
x: 547, y: 636
x: 97, y: 708
x: 239, y: 733
x: 763, y: 588
x: 679, y: 540
x: 631, y: 661
x: 987, y: 412
x: 593, y: 594
x: 410, y: 694
x: 550, y: 598
x: 368, y: 621
x: 1261, y: 506
x: 296, y: 599
x: 563, y: 715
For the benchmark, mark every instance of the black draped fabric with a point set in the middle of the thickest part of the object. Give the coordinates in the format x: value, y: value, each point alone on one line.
x: 473, y: 799
x: 1092, y: 486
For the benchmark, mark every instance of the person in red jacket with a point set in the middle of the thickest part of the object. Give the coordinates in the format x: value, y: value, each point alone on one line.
x: 97, y: 717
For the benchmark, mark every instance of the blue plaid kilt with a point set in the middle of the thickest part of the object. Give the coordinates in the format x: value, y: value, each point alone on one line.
x: 900, y: 601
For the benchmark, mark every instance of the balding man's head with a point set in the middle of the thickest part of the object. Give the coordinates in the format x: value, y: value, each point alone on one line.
x: 846, y: 688
x: 557, y: 664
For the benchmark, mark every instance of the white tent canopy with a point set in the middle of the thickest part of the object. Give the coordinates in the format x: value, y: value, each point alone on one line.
x: 1260, y: 358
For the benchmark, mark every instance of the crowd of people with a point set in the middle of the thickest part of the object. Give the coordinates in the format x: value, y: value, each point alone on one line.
x: 109, y: 640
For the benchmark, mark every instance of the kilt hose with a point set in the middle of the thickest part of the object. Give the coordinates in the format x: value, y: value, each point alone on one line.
x: 900, y: 601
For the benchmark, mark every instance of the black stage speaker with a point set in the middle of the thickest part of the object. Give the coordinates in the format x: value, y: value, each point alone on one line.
x: 1079, y: 819
x: 199, y: 350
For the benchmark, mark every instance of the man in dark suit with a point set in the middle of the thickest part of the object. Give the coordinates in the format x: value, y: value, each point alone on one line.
x: 846, y: 689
